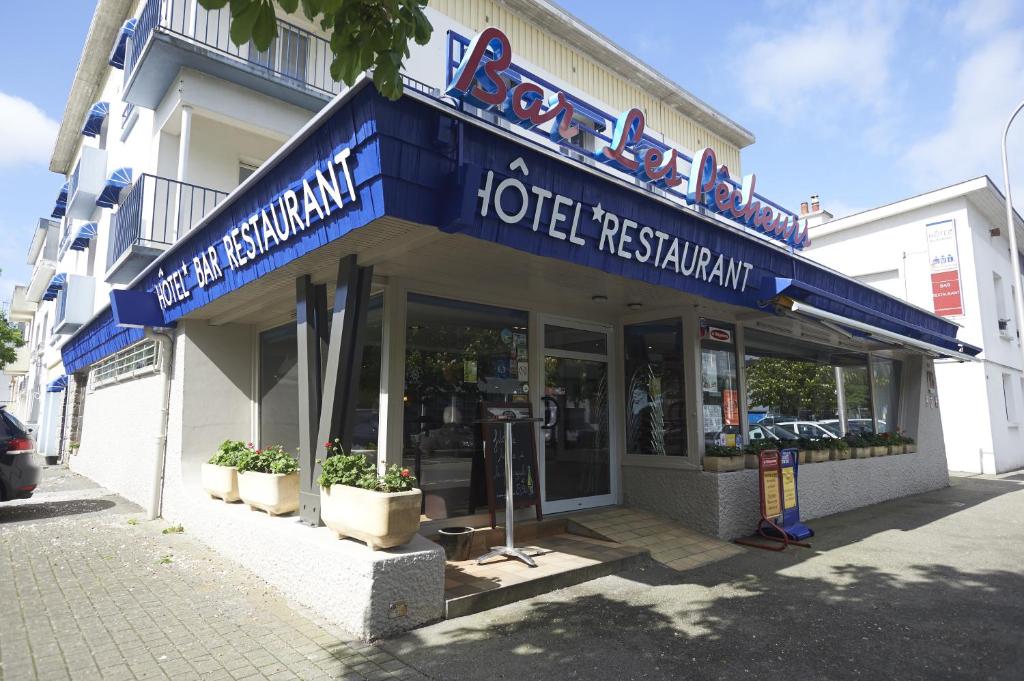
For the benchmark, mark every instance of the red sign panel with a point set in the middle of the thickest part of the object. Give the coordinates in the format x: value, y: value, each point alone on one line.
x: 946, y: 298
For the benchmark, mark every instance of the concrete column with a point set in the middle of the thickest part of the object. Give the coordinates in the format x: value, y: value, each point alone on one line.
x: 183, y: 142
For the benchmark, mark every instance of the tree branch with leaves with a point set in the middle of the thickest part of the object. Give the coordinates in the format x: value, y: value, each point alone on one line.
x: 365, y: 35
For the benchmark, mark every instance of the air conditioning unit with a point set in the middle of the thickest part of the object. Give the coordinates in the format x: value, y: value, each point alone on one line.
x: 74, y: 303
x: 86, y: 183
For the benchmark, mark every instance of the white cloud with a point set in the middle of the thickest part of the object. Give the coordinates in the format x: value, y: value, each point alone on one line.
x: 977, y: 17
x: 836, y: 57
x: 989, y: 83
x: 27, y: 134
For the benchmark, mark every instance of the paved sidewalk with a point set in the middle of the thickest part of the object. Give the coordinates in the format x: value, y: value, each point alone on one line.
x: 91, y: 590
x: 926, y: 588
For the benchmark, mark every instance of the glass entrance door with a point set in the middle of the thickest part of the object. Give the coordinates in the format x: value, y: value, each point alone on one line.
x: 576, y: 463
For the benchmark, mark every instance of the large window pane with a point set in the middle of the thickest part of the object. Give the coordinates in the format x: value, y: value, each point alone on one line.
x: 857, y: 389
x: 887, y: 393
x: 655, y: 398
x: 279, y: 388
x: 279, y: 384
x: 719, y: 384
x: 364, y: 435
x: 457, y: 355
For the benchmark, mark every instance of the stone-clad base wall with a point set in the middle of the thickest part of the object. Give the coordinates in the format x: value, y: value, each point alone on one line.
x: 726, y: 504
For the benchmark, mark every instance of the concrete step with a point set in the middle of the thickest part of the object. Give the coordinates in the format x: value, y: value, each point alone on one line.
x: 562, y: 560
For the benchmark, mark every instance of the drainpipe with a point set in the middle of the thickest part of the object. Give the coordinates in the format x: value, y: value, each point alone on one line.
x: 166, y: 341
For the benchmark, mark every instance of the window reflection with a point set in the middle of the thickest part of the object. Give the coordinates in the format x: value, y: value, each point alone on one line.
x: 655, y: 398
x: 457, y: 355
x: 719, y: 384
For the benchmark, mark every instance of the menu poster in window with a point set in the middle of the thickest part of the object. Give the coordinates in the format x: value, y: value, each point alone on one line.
x: 525, y: 467
x: 712, y: 418
x: 730, y: 408
x: 709, y: 362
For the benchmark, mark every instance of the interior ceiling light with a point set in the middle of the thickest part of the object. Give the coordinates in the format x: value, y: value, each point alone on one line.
x: 634, y: 306
x: 599, y: 299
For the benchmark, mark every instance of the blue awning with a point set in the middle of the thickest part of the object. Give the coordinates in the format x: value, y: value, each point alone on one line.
x: 121, y: 45
x: 94, y: 121
x: 891, y: 317
x: 55, y: 285
x: 62, y: 203
x: 58, y: 384
x: 111, y: 194
x: 83, y: 235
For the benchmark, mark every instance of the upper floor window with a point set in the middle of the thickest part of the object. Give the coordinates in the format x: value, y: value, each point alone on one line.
x: 286, y: 54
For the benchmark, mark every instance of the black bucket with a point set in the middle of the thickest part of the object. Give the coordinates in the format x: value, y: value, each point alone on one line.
x: 455, y: 541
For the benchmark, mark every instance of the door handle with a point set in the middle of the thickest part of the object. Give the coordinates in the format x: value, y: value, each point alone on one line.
x: 550, y: 410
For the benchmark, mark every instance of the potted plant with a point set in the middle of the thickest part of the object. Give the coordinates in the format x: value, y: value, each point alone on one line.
x: 268, y: 479
x: 817, y: 451
x: 381, y: 510
x: 723, y: 459
x: 839, y: 450
x: 752, y: 452
x: 876, y: 444
x: 219, y: 475
x: 909, y: 446
x: 859, y: 447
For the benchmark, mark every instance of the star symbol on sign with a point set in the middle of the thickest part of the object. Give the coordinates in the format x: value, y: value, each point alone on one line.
x: 598, y: 213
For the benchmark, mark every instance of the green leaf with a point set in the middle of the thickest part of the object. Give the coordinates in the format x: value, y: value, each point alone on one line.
x: 243, y: 24
x: 212, y: 4
x: 289, y: 6
x: 265, y: 30
x: 239, y: 6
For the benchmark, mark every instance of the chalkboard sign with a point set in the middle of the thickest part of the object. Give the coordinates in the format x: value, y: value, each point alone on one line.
x: 525, y: 475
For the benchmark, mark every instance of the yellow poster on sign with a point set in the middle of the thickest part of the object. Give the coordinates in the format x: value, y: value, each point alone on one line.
x: 788, y: 488
x: 772, y: 503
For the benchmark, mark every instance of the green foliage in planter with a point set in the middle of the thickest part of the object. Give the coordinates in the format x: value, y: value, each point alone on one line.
x: 396, y: 480
x: 273, y: 459
x: 856, y: 441
x: 838, y: 444
x: 352, y: 470
x: 719, y: 450
x: 755, y: 448
x: 229, y: 452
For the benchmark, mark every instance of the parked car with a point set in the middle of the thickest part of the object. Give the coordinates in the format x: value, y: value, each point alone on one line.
x: 809, y: 430
x: 767, y: 431
x: 19, y: 470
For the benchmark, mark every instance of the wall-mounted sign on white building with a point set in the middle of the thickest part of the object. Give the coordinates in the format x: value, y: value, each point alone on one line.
x: 945, y: 268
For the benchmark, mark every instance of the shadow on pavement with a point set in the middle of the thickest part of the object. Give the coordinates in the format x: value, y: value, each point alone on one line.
x: 760, y: 615
x: 52, y: 509
x: 859, y: 623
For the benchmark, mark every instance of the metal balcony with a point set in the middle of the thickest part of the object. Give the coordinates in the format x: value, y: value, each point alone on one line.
x: 175, y: 34
x: 153, y: 214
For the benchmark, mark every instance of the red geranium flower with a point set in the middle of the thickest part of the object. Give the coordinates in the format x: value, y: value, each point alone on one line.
x: 327, y: 444
x: 405, y: 472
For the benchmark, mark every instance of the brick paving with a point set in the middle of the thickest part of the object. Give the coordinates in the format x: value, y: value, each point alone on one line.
x: 91, y: 590
x: 669, y: 542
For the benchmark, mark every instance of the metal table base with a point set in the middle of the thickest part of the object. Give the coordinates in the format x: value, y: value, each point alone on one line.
x: 508, y: 550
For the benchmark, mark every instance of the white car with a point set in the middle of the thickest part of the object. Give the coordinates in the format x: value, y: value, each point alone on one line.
x: 809, y: 430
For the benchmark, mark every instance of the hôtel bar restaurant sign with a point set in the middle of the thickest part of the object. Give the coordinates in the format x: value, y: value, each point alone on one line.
x: 482, y: 79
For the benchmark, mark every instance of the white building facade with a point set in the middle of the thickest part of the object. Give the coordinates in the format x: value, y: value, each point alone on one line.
x: 947, y: 251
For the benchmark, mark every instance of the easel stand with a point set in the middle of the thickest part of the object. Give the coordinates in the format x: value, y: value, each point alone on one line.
x: 767, y: 529
x: 508, y: 550
x: 769, y: 469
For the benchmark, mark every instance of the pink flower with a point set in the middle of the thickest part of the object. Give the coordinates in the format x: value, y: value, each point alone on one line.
x: 405, y: 472
x: 327, y: 444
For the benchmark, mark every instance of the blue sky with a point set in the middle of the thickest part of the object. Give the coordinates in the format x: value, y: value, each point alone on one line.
x: 862, y: 102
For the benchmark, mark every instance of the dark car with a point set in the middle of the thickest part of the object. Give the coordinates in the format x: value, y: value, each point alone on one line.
x: 19, y: 470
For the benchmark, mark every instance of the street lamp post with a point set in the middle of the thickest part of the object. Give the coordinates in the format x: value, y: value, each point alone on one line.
x: 1010, y: 227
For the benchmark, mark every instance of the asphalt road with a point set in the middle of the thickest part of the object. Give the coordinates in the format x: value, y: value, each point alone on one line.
x: 930, y: 587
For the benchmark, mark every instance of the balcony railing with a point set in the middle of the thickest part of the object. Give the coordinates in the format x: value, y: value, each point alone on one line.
x: 296, y: 56
x: 156, y: 212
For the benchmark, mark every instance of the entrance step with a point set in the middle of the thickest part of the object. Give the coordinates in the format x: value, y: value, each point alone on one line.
x: 669, y: 541
x: 562, y: 560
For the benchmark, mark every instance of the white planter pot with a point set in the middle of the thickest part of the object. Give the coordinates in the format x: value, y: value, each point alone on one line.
x: 220, y: 481
x: 274, y: 493
x: 380, y: 519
